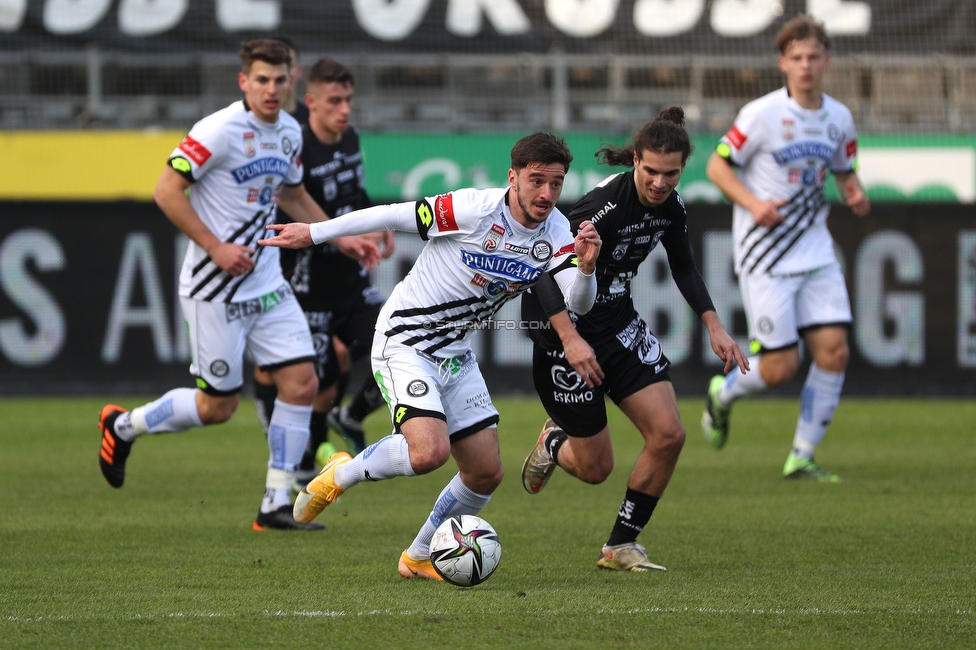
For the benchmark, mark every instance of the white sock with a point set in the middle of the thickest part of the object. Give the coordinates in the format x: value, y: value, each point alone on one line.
x: 175, y: 411
x: 277, y: 491
x: 455, y: 499
x: 288, y: 435
x: 383, y: 459
x: 818, y: 402
x: 738, y: 385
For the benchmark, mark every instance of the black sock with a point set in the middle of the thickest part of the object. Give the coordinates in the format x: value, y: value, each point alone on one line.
x: 264, y: 399
x: 367, y: 400
x: 634, y: 513
x: 317, y: 435
x: 554, y: 441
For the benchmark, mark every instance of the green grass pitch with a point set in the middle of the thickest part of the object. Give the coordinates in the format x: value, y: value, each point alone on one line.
x: 886, y: 559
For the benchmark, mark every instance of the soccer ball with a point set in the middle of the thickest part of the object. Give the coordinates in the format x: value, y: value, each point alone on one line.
x: 465, y: 550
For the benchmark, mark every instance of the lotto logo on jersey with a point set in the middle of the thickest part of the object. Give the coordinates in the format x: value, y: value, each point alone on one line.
x: 444, y: 213
x: 736, y: 137
x: 194, y: 150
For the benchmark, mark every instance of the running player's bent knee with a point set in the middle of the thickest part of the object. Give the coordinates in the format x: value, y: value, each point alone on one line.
x: 216, y: 410
x: 669, y: 441
x: 429, y: 457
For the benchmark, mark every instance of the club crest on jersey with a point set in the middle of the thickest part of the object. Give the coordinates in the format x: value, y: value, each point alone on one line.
x: 789, y: 128
x: 833, y: 132
x: 249, y: 149
x: 493, y: 238
x: 417, y: 388
x: 541, y: 251
x: 286, y: 146
x: 620, y: 250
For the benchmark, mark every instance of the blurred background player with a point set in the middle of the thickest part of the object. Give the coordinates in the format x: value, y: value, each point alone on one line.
x: 772, y: 164
x: 611, y: 351
x: 484, y: 248
x: 240, y: 162
x: 334, y: 290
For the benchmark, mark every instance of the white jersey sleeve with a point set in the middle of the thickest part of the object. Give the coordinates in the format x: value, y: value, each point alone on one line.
x: 845, y: 160
x: 202, y: 149
x: 296, y: 171
x: 746, y: 136
x: 455, y: 214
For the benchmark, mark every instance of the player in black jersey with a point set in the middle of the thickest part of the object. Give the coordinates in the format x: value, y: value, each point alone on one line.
x: 334, y: 290
x: 611, y: 350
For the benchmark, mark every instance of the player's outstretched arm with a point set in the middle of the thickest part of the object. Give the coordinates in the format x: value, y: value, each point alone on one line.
x: 720, y: 172
x: 289, y: 235
x: 170, y: 196
x: 723, y: 345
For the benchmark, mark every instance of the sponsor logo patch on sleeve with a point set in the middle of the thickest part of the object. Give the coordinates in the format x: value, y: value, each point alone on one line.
x: 851, y: 149
x: 194, y: 150
x: 425, y: 218
x: 565, y: 250
x: 444, y: 213
x: 736, y: 137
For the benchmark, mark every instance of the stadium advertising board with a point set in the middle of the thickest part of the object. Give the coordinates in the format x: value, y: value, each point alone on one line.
x: 575, y: 26
x: 405, y: 166
x: 88, y: 300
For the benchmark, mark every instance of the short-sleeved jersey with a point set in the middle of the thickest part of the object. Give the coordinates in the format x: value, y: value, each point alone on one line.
x: 478, y: 257
x: 237, y: 164
x: 784, y: 151
x: 630, y: 231
x: 320, y: 275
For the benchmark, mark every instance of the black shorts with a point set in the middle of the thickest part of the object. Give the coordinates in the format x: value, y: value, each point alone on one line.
x: 631, y: 360
x: 353, y: 322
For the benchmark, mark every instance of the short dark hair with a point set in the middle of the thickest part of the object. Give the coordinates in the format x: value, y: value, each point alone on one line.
x: 801, y: 28
x: 328, y: 70
x: 664, y: 135
x: 269, y: 50
x: 541, y: 147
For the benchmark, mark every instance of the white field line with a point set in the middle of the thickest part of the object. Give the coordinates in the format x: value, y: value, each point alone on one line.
x: 758, y: 611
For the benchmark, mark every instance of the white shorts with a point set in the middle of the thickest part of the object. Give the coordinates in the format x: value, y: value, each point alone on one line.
x: 779, y: 308
x: 272, y: 330
x: 415, y: 385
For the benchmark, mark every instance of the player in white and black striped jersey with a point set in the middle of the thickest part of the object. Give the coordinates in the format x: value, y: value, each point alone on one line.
x: 484, y: 248
x: 772, y: 164
x: 240, y: 163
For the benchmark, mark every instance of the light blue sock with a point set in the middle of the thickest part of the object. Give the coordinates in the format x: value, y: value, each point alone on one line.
x: 455, y: 499
x: 385, y: 458
x: 818, y: 403
x: 288, y: 435
x: 738, y: 385
x: 173, y: 412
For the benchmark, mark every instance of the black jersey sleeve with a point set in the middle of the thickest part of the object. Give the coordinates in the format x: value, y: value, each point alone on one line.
x: 550, y: 297
x: 681, y: 259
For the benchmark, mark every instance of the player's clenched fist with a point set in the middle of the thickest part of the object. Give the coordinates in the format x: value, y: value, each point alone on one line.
x: 587, y: 244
